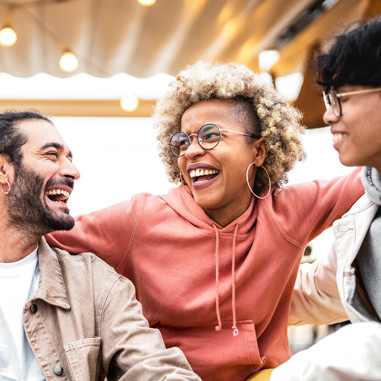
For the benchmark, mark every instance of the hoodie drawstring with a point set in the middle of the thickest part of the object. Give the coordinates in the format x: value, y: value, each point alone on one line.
x: 218, y: 312
x: 219, y: 326
x: 234, y: 327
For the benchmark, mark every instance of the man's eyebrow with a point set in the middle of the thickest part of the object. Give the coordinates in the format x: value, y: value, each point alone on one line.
x: 58, y: 146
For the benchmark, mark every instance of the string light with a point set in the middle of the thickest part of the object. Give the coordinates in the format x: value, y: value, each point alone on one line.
x: 147, y: 3
x: 8, y: 36
x: 68, y: 62
x: 267, y: 59
x: 129, y: 102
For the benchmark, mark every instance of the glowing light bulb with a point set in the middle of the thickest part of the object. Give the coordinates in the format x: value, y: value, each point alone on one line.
x: 147, y: 3
x: 8, y: 36
x: 129, y: 102
x: 267, y: 59
x: 68, y: 62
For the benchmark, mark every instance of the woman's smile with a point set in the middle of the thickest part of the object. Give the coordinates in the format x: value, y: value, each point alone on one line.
x: 202, y: 175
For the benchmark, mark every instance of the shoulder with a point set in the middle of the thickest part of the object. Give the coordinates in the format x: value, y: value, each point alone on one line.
x: 363, y: 209
x: 88, y: 271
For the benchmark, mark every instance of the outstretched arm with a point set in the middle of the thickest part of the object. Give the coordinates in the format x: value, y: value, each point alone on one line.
x: 316, y: 298
x: 133, y: 350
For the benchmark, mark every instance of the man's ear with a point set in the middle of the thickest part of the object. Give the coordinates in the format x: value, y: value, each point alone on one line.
x: 6, y: 169
x: 260, y: 152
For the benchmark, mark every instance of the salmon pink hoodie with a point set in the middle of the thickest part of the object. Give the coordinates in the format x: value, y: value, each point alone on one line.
x: 221, y: 294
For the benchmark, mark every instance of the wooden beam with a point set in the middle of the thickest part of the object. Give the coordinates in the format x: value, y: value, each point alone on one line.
x: 87, y: 107
x: 310, y: 99
x: 294, y: 54
x: 373, y: 9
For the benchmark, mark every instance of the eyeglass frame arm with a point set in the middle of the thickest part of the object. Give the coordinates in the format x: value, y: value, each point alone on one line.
x: 340, y: 95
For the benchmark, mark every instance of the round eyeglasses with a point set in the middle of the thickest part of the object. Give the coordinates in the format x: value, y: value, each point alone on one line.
x: 332, y: 98
x: 208, y: 137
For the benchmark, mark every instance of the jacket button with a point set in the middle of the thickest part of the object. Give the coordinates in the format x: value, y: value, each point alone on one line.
x: 33, y: 308
x: 58, y: 370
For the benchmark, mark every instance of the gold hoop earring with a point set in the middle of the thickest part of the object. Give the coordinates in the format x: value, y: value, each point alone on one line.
x: 9, y: 187
x: 181, y: 178
x: 182, y: 181
x: 248, y: 184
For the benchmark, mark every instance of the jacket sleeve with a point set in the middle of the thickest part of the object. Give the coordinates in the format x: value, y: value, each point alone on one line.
x: 108, y: 232
x: 350, y: 354
x: 131, y: 350
x: 316, y: 298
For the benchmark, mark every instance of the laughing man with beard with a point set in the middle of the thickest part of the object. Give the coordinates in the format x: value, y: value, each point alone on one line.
x: 61, y: 316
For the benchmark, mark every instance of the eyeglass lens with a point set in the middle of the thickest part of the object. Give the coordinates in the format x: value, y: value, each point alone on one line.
x: 331, y: 100
x: 208, y: 137
x: 335, y: 103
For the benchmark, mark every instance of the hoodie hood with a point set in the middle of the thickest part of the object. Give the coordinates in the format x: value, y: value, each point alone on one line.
x: 180, y: 200
x: 372, y: 183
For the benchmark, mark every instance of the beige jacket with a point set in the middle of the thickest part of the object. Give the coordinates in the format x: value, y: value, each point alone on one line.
x: 326, y: 291
x: 84, y: 323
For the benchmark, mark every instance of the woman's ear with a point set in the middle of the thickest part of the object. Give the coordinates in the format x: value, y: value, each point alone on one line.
x: 260, y: 152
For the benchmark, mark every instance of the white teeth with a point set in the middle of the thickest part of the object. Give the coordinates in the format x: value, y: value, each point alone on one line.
x: 337, y: 136
x: 58, y: 191
x: 202, y: 172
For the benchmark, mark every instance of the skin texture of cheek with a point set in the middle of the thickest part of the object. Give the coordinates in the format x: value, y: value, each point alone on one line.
x: 362, y: 146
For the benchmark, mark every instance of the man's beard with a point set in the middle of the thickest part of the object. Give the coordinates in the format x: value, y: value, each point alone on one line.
x: 28, y: 212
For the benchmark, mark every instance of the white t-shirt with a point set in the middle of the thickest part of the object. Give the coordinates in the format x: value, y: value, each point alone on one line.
x: 18, y: 283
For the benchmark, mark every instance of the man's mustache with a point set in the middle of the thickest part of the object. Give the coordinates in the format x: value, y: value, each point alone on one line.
x: 64, y: 182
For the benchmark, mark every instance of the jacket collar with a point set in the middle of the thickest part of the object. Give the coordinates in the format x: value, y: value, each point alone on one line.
x: 52, y: 288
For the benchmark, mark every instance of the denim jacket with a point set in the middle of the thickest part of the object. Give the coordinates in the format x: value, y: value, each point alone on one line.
x: 84, y: 323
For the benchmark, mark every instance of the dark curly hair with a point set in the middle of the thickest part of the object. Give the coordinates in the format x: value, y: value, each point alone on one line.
x: 354, y: 58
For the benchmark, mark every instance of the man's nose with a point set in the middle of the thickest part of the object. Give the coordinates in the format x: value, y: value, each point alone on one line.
x: 68, y: 169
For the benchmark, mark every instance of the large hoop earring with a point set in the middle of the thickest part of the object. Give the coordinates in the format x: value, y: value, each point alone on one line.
x: 9, y: 187
x: 185, y: 184
x: 248, y: 184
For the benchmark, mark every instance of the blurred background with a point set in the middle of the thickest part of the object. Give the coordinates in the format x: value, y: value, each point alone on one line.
x: 98, y: 67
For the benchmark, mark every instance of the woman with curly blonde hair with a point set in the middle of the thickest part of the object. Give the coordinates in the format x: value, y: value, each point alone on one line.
x: 214, y: 261
x: 275, y: 120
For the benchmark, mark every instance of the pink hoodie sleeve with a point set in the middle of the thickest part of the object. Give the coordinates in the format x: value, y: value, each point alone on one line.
x: 303, y: 211
x: 108, y: 232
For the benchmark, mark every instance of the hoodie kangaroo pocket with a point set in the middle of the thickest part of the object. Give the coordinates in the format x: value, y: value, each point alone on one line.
x: 217, y: 354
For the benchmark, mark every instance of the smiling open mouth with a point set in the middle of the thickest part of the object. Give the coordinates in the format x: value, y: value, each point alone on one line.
x: 200, y: 175
x: 337, y: 136
x: 58, y: 195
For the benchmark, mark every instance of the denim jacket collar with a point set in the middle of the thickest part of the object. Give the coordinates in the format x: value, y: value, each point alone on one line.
x: 52, y: 288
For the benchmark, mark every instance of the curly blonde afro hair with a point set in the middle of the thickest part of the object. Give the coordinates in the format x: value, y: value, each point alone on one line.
x: 279, y: 123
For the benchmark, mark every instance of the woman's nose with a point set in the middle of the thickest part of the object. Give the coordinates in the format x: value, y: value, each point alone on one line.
x: 194, y: 148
